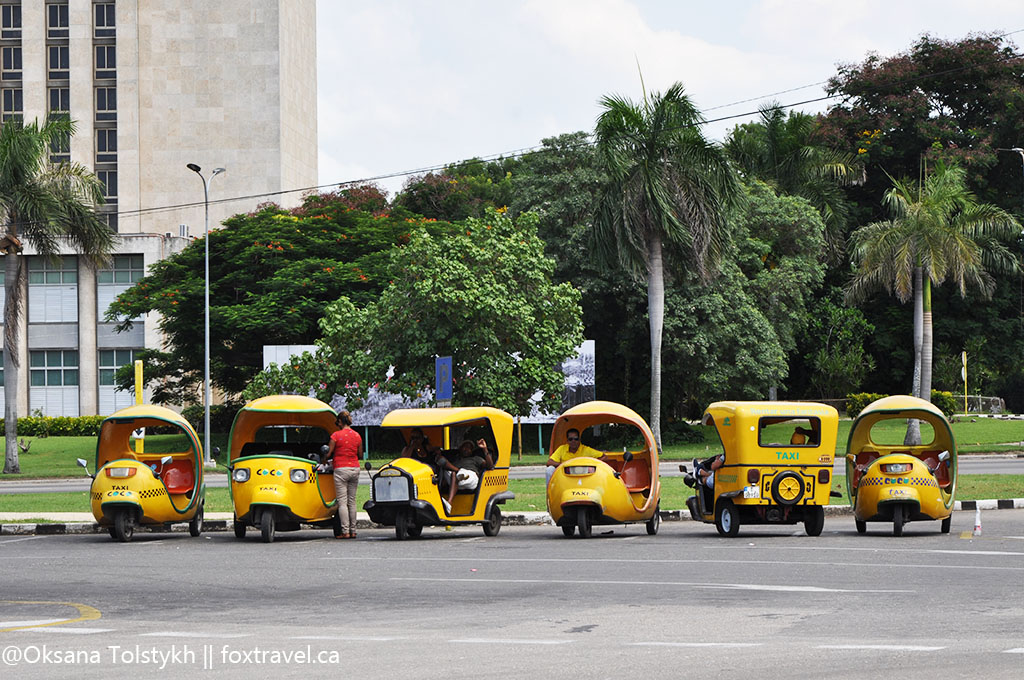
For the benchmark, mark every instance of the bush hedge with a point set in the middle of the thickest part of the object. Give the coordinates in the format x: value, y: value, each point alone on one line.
x: 855, y: 403
x: 57, y: 426
x: 221, y: 416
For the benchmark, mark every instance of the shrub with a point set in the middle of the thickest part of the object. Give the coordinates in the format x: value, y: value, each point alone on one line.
x: 221, y: 416
x: 855, y: 403
x: 57, y: 426
x: 680, y: 432
x: 945, y: 402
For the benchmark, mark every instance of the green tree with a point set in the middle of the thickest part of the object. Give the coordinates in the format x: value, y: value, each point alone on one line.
x: 459, y: 191
x: 787, y: 153
x: 44, y: 204
x: 481, y: 294
x: 667, y: 188
x: 272, y: 273
x: 836, y: 360
x: 937, y: 230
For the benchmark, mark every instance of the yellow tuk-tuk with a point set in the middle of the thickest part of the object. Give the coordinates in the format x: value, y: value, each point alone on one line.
x: 775, y: 467
x: 890, y: 481
x: 622, y: 489
x: 155, y: 489
x: 406, y: 493
x: 276, y: 444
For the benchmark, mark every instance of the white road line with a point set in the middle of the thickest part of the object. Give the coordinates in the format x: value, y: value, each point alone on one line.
x: 15, y: 540
x: 1015, y: 650
x: 508, y: 641
x: 30, y: 622
x: 884, y: 648
x: 688, y: 584
x: 195, y: 635
x: 472, y: 540
x: 694, y: 644
x: 347, y: 638
x: 68, y: 630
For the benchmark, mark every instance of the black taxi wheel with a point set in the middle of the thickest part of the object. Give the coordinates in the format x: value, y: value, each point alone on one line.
x: 727, y: 518
x: 124, y: 526
x: 862, y: 527
x: 944, y: 527
x: 654, y: 523
x: 898, y: 520
x: 583, y: 522
x: 568, y: 529
x: 787, y: 488
x: 401, y: 525
x: 493, y: 524
x: 414, y: 529
x: 239, y: 528
x: 267, y: 526
x: 814, y: 520
x: 336, y: 525
x: 195, y: 526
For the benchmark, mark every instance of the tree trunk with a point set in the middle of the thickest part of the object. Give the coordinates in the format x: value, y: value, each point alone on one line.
x: 926, y: 345
x: 12, y: 327
x: 913, y: 436
x: 656, y: 318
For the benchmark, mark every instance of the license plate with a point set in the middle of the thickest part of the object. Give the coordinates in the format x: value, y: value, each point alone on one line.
x: 751, y: 492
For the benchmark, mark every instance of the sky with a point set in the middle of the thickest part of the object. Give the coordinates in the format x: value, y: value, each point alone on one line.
x: 406, y: 85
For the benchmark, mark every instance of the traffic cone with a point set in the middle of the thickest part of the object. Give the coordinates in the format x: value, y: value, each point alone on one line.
x: 977, y: 521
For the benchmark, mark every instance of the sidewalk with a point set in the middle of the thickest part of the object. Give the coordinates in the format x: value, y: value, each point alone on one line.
x: 49, y: 523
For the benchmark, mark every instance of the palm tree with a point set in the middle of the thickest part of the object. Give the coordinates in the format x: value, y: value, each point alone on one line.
x: 666, y: 186
x: 783, y: 152
x: 44, y: 204
x: 937, y: 230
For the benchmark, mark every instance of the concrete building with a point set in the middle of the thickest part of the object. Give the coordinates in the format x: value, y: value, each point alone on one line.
x: 153, y: 85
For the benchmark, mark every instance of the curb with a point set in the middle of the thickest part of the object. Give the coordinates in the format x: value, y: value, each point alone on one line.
x: 511, y: 519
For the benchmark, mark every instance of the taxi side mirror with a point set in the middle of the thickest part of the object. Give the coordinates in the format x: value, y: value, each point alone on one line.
x: 368, y: 466
x: 83, y: 464
x: 627, y: 456
x: 944, y: 457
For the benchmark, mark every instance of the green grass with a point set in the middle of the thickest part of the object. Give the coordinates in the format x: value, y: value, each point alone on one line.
x: 529, y: 495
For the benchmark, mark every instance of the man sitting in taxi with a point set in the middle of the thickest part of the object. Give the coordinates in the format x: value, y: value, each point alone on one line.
x: 572, y: 448
x: 470, y: 462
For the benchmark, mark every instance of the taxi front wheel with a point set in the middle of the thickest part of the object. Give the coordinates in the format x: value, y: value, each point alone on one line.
x: 583, y: 522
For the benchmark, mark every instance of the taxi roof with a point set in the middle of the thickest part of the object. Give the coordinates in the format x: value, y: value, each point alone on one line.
x: 501, y: 422
x: 901, y: 406
x: 116, y: 430
x: 278, y: 409
x: 592, y: 413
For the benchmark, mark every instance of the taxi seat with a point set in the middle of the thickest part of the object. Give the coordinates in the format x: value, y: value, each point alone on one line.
x: 931, y: 459
x: 178, y: 477
x: 636, y: 474
x: 861, y: 462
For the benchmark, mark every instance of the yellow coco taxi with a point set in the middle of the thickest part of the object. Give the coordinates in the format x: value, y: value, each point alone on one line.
x: 890, y: 481
x: 276, y: 444
x: 622, y: 489
x: 775, y: 466
x: 407, y: 493
x: 131, y: 489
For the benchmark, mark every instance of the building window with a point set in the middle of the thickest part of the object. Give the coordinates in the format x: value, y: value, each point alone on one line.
x: 124, y: 269
x: 60, y: 99
x: 11, y: 63
x: 106, y: 145
x: 109, y: 180
x: 57, y: 21
x: 41, y: 271
x: 12, y: 103
x: 58, y: 62
x: 106, y: 103
x: 53, y: 367
x: 110, y: 360
x: 105, y: 26
x: 60, y: 148
x: 52, y: 290
x: 11, y: 21
x: 106, y: 61
x: 110, y: 219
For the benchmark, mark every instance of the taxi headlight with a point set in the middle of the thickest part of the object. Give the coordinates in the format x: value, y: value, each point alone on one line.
x: 580, y: 469
x: 240, y: 475
x: 121, y: 472
x: 298, y: 475
x: 895, y: 468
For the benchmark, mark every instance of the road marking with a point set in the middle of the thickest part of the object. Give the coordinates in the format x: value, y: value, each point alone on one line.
x: 15, y: 540
x: 347, y: 638
x: 688, y: 584
x: 472, y: 540
x: 70, y: 631
x: 694, y: 644
x: 508, y: 641
x: 85, y: 613
x: 25, y: 624
x: 171, y: 633
x: 966, y: 534
x: 1015, y: 650
x: 884, y: 648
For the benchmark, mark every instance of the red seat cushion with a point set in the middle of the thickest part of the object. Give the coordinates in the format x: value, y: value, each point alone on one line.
x: 178, y: 477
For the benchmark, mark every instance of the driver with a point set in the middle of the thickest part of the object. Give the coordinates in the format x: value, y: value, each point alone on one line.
x: 572, y: 448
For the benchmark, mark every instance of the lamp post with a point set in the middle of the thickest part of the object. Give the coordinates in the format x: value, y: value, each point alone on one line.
x: 207, y: 461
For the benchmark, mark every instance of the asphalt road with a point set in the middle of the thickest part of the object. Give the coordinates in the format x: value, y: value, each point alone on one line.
x: 969, y: 465
x: 527, y: 603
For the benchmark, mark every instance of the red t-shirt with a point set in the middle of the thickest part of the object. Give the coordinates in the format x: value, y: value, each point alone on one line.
x: 346, y: 448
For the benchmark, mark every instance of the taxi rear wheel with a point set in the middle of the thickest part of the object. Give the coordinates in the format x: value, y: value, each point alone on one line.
x: 493, y: 524
x: 401, y: 526
x: 583, y: 522
x: 654, y: 523
x: 568, y: 529
x: 862, y: 527
x: 944, y: 527
x: 239, y: 528
x: 898, y: 519
x: 336, y: 525
x: 195, y: 526
x: 727, y: 518
x: 814, y: 520
x: 267, y: 526
x: 124, y: 526
x: 414, y: 529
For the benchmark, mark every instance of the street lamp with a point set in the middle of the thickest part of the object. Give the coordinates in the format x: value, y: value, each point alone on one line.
x: 207, y: 461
